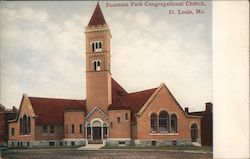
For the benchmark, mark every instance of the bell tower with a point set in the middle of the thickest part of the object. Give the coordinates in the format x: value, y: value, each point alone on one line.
x: 98, y: 73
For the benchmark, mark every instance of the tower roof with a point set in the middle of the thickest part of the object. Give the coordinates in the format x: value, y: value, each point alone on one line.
x: 97, y: 17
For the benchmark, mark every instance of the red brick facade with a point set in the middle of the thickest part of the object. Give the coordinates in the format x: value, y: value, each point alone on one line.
x: 109, y: 114
x: 5, y: 116
x: 206, y: 124
x: 74, y: 124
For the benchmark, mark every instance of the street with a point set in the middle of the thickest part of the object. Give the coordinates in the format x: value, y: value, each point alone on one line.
x: 104, y: 154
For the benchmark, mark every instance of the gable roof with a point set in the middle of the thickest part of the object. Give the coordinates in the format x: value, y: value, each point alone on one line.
x: 151, y: 98
x: 136, y: 100
x: 121, y: 100
x: 96, y: 109
x: 97, y: 17
x: 51, y: 110
x: 25, y: 97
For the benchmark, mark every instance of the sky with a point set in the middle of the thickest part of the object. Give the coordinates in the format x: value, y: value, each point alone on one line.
x: 42, y: 46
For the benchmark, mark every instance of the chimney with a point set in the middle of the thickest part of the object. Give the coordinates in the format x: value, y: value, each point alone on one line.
x: 14, y: 109
x: 186, y: 110
x: 209, y: 106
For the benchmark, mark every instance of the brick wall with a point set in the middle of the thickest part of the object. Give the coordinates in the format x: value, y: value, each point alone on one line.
x: 75, y: 118
x: 52, y: 132
x: 120, y: 129
x: 25, y: 109
x: 2, y: 127
x: 164, y: 101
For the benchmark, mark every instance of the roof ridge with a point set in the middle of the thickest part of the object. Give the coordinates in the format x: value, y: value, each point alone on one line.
x: 143, y: 91
x: 56, y: 98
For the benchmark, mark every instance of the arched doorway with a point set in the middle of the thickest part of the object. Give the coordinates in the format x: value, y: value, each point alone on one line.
x: 97, y: 130
x: 194, y: 132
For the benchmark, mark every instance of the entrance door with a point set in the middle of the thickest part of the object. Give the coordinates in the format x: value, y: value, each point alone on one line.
x: 97, y: 133
x: 194, y: 132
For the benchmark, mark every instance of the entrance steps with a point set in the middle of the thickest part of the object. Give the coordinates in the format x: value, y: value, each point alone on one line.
x: 196, y: 144
x: 91, y: 146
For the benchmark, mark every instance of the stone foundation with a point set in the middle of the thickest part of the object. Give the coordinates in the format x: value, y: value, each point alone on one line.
x: 108, y: 142
x: 74, y: 142
x: 47, y: 143
x: 118, y: 142
x: 163, y: 142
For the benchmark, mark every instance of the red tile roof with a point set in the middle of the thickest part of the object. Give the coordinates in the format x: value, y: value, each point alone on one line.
x: 137, y: 99
x: 117, y: 90
x: 97, y: 17
x: 51, y: 111
x: 123, y: 100
x: 118, y: 104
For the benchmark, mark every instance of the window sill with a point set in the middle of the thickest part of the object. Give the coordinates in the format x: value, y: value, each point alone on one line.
x: 164, y: 134
x: 48, y: 134
x: 24, y: 135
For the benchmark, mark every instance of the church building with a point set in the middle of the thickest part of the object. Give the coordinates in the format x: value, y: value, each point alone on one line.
x: 109, y: 115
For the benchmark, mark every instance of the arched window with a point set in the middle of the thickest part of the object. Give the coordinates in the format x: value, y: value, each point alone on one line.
x: 163, y: 122
x: 153, y: 123
x: 194, y: 132
x: 173, y: 123
x: 25, y: 125
x: 21, y: 126
x: 97, y: 65
x: 96, y: 46
x: 29, y: 128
